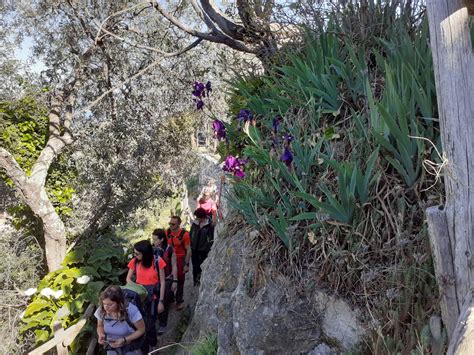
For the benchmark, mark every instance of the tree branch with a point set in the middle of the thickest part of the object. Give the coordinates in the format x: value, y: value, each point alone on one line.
x: 230, y: 28
x: 101, y: 26
x: 13, y: 169
x: 211, y: 37
x: 141, y: 72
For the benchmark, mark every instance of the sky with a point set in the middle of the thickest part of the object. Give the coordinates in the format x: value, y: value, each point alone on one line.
x: 24, y: 53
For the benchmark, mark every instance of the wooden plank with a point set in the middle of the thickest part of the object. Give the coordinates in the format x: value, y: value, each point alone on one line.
x: 453, y: 61
x: 91, y: 346
x: 463, y: 336
x: 66, y: 337
x: 443, y: 263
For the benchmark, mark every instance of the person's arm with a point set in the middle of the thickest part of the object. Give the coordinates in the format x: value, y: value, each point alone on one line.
x: 100, y: 331
x: 140, y: 325
x: 187, y: 258
x: 174, y: 272
x: 129, y: 275
x: 161, y: 300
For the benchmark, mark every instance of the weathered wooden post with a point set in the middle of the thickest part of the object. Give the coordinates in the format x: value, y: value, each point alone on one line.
x: 452, y: 226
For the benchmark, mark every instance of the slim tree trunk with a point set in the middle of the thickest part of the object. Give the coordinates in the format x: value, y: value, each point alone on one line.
x: 453, y: 61
x: 32, y: 188
x: 53, y: 227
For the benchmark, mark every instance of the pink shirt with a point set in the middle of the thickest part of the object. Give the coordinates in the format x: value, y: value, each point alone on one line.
x: 209, y: 206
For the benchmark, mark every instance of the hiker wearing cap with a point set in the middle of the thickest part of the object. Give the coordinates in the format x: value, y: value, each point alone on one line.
x: 148, y: 271
x: 120, y: 326
x: 202, y: 237
x: 162, y: 249
x: 178, y: 238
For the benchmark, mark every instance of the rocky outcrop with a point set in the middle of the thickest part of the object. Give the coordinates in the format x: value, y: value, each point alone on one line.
x: 255, y: 310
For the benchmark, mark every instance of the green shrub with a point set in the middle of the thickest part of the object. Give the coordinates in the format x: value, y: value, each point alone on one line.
x: 63, y: 295
x: 206, y: 346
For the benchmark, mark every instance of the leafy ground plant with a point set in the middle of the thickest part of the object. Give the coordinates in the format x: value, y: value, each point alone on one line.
x: 63, y: 295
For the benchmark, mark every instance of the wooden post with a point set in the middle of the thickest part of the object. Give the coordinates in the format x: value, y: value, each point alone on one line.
x: 453, y: 61
x: 59, y: 333
x: 63, y: 338
x: 443, y: 263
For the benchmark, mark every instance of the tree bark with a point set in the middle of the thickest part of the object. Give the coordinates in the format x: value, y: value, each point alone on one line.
x: 32, y: 188
x: 453, y: 61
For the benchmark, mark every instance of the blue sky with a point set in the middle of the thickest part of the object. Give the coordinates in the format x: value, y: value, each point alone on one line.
x: 24, y: 53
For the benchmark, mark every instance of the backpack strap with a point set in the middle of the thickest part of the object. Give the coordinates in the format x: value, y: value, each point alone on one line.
x: 130, y: 324
x: 180, y: 236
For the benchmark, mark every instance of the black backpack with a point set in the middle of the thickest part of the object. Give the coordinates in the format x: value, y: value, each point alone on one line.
x: 166, y: 255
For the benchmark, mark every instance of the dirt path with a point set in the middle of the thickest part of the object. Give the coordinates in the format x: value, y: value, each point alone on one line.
x: 178, y: 320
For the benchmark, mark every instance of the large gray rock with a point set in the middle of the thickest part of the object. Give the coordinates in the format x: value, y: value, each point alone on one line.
x: 255, y: 310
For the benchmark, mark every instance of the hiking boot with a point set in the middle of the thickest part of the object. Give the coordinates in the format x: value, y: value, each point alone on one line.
x: 179, y: 306
x: 161, y: 329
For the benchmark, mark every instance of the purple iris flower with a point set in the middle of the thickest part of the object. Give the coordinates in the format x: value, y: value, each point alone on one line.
x: 287, y: 157
x: 199, y: 104
x: 199, y: 89
x: 244, y: 115
x: 239, y: 173
x: 219, y: 129
x: 235, y: 166
x: 230, y: 163
x: 288, y: 138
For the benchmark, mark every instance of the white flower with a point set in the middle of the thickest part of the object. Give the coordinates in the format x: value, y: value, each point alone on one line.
x: 130, y: 256
x: 125, y: 249
x: 30, y: 292
x: 47, y: 292
x: 83, y: 279
x: 58, y: 294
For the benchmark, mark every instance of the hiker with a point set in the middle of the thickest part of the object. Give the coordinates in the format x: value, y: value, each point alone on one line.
x: 148, y: 271
x: 202, y: 237
x: 178, y: 238
x: 166, y: 252
x: 211, y: 189
x: 120, y: 326
x: 208, y: 205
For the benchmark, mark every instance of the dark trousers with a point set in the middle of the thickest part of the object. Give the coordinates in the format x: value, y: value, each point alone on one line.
x: 169, y: 298
x: 198, y: 258
x: 180, y: 260
x: 150, y: 327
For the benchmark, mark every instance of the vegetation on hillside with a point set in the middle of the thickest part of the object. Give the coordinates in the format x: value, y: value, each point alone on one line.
x: 338, y: 147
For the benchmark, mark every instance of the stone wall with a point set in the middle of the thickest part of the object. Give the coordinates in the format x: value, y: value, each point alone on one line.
x: 255, y: 310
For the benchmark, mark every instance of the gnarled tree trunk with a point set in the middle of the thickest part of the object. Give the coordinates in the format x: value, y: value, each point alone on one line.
x: 452, y: 227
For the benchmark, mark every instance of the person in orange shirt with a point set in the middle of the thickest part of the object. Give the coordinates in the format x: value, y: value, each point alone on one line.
x: 148, y: 271
x: 179, y: 239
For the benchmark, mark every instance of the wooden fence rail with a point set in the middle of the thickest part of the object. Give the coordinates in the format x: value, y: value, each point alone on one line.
x: 64, y: 337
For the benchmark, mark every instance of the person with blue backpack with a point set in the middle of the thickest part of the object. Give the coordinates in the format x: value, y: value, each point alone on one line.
x: 148, y: 271
x: 120, y: 325
x: 165, y: 251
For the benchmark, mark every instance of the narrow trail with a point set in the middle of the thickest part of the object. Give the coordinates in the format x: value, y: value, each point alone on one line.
x: 178, y: 320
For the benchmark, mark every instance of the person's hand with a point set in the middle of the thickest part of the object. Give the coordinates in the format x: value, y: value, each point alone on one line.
x: 117, y: 343
x: 161, y: 307
x: 186, y: 268
x: 174, y: 287
x: 101, y: 339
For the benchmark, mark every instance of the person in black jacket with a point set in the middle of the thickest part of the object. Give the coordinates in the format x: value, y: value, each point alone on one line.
x: 202, y: 237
